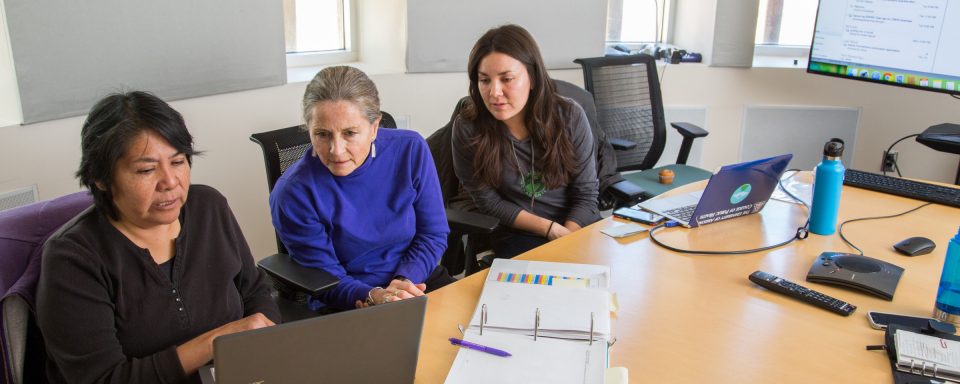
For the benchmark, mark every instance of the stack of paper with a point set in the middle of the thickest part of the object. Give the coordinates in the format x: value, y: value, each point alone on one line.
x: 566, y: 296
x: 927, y: 355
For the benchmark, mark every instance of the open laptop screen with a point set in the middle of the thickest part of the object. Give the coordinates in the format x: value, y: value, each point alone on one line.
x: 337, y: 348
x: 740, y: 189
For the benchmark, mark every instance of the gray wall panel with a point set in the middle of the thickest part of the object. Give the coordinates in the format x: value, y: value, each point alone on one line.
x: 68, y: 54
x: 802, y: 131
x: 440, y: 33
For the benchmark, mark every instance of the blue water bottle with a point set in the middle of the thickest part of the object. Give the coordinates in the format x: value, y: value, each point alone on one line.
x: 948, y: 294
x: 827, y: 183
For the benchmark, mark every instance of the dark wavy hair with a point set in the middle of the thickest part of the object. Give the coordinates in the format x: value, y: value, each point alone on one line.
x: 542, y: 112
x: 111, y: 127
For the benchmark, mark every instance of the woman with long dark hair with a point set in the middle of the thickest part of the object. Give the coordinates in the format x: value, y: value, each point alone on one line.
x: 523, y: 152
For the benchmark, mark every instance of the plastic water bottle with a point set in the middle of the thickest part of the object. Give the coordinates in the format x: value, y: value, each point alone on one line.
x: 948, y: 294
x: 827, y: 184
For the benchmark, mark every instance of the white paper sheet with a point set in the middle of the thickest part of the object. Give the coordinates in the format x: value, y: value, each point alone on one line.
x: 542, y: 361
x: 564, y: 312
x: 598, y: 275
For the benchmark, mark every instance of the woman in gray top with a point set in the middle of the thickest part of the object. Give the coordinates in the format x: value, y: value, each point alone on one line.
x: 523, y: 152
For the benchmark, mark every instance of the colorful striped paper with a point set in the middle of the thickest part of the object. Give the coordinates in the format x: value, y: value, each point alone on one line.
x: 526, y: 278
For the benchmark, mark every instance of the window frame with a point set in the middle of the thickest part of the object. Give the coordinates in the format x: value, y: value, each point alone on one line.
x: 346, y: 55
x: 779, y: 50
x: 669, y: 15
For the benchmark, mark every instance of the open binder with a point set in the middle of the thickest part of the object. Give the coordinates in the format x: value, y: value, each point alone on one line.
x: 916, y: 355
x: 554, y: 318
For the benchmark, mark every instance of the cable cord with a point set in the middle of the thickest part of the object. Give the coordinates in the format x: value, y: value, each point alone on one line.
x: 662, y: 73
x: 662, y: 13
x: 802, y: 232
x: 844, y: 238
x: 955, y: 96
x: 887, y: 152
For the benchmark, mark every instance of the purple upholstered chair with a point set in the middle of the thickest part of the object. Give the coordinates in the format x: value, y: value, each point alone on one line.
x: 23, y: 231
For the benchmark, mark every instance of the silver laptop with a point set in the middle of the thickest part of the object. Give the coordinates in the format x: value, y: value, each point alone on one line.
x: 378, y: 344
x: 736, y: 190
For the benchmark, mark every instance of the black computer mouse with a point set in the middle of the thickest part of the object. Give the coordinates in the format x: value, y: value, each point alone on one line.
x: 915, y: 246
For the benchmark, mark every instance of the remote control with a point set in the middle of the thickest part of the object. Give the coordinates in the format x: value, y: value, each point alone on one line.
x: 799, y: 292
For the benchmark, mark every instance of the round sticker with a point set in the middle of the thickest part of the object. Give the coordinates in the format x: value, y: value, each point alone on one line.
x: 740, y: 194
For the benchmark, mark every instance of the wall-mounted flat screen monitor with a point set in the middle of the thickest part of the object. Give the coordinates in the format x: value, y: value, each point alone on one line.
x: 907, y: 43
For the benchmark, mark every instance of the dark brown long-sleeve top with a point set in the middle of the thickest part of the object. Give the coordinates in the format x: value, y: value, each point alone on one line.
x: 109, y: 315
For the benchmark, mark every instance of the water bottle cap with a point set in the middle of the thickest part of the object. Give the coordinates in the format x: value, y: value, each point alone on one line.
x: 833, y: 148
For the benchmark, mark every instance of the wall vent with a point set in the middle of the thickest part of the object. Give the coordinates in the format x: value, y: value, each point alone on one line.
x: 800, y: 130
x: 18, y: 197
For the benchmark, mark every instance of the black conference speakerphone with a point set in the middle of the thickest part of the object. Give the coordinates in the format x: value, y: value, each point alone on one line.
x: 876, y: 277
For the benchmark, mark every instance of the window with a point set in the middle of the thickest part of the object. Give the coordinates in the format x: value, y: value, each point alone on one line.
x: 318, y: 32
x: 785, y: 24
x: 636, y: 21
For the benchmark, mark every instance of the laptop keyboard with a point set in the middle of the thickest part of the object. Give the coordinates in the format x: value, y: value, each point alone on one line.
x: 683, y: 213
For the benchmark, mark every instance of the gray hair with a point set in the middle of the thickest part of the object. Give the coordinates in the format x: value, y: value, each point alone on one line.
x: 342, y: 83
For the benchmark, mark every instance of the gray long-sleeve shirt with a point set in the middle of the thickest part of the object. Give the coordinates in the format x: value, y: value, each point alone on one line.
x: 576, y: 201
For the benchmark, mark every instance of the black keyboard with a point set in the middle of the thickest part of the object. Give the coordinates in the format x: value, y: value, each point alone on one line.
x: 903, y: 187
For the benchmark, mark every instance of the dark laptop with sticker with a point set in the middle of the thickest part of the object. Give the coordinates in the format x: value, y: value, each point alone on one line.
x: 736, y: 190
x: 378, y: 344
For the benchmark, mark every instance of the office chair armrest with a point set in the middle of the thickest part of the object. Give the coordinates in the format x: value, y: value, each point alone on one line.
x: 469, y: 222
x: 311, y: 281
x: 689, y: 130
x: 621, y: 144
x: 626, y: 191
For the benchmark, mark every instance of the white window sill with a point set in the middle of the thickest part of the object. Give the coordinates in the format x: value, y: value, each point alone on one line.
x: 8, y: 123
x: 306, y: 73
x: 779, y: 62
x: 779, y: 56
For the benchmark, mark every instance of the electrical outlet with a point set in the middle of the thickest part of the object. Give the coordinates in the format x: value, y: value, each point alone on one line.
x: 889, y: 160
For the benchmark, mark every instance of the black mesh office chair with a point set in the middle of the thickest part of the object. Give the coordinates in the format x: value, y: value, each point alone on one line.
x: 294, y: 283
x: 614, y: 189
x: 626, y: 92
x: 461, y: 250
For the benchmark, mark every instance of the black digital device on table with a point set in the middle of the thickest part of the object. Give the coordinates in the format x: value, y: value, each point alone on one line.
x: 873, y: 276
x: 638, y: 216
x: 880, y: 320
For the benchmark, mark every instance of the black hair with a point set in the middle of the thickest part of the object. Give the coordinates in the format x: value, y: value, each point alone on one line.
x: 112, y: 125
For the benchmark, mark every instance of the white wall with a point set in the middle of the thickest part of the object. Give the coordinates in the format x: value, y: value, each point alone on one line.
x: 887, y: 113
x: 47, y: 153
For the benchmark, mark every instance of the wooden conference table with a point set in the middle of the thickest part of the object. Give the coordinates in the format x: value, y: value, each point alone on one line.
x: 688, y: 318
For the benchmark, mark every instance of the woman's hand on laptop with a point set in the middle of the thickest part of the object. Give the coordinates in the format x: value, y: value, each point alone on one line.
x: 398, y: 289
x: 199, y: 351
x: 405, y: 289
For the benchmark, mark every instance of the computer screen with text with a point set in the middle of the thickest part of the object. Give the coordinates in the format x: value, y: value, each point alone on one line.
x: 908, y: 43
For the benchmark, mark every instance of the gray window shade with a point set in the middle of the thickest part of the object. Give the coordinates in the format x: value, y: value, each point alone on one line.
x: 68, y: 54
x: 440, y: 33
x: 733, y: 33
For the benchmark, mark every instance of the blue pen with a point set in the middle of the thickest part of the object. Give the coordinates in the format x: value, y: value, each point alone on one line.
x: 467, y: 344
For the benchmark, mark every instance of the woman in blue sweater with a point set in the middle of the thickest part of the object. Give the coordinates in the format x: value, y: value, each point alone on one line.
x: 363, y: 204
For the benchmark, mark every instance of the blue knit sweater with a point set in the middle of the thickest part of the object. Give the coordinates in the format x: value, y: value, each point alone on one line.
x: 384, y: 219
